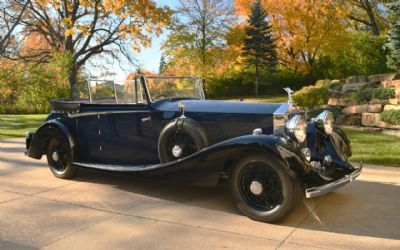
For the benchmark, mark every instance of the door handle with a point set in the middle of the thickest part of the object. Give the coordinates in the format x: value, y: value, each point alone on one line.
x: 146, y: 119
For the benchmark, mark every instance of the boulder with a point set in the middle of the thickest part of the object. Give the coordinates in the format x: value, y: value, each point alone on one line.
x: 374, y: 120
x: 383, y: 77
x: 378, y: 101
x: 394, y: 101
x: 355, y: 79
x: 391, y: 107
x: 391, y: 83
x: 370, y: 119
x: 341, y: 102
x: 349, y: 120
x: 358, y: 86
x: 336, y: 81
x: 358, y: 109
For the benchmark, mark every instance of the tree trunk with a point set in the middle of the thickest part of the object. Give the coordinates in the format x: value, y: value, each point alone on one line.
x: 372, y: 20
x: 256, y: 81
x: 72, y: 79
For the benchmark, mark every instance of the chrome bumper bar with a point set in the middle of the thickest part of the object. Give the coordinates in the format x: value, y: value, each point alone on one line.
x: 327, y: 188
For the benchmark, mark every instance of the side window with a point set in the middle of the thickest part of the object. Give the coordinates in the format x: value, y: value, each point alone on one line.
x: 139, y: 93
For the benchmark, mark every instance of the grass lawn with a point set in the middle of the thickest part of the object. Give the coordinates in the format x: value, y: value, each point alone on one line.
x: 12, y: 126
x: 368, y: 147
x: 374, y: 147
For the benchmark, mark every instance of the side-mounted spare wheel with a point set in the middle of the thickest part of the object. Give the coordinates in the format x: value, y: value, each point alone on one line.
x: 180, y: 138
x: 262, y: 189
x: 59, y: 157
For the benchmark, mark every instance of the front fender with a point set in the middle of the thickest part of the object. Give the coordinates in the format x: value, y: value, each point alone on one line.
x: 48, y: 130
x: 206, y: 167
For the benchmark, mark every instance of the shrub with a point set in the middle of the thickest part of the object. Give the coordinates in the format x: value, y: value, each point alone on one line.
x: 311, y: 96
x: 391, y: 116
x: 365, y: 96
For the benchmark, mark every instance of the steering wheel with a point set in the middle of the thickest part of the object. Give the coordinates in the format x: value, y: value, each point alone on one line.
x: 162, y: 95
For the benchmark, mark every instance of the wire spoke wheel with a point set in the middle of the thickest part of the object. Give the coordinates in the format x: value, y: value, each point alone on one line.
x: 269, y: 193
x: 185, y: 143
x: 59, y: 158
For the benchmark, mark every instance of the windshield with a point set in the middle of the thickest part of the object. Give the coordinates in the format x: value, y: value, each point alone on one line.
x: 161, y: 88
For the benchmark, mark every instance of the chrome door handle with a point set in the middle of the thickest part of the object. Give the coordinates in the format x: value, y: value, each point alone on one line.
x: 146, y: 119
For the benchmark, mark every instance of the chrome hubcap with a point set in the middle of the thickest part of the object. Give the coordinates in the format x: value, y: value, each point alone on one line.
x: 55, y: 156
x: 256, y: 187
x: 177, y: 151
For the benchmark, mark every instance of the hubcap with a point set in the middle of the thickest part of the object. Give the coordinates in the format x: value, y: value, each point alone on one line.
x: 177, y: 151
x: 256, y: 188
x: 55, y: 156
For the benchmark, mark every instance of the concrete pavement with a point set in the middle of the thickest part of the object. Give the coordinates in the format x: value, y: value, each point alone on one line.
x: 102, y: 211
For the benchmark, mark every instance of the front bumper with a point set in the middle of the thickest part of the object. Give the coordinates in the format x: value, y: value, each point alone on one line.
x: 327, y: 188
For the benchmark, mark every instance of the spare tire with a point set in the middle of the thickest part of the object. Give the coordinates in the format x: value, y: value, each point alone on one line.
x: 180, y: 138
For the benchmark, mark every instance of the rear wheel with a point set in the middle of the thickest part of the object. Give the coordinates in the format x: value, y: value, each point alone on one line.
x: 59, y: 158
x: 262, y: 189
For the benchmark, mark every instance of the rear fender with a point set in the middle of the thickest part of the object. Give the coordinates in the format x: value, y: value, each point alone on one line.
x: 44, y: 134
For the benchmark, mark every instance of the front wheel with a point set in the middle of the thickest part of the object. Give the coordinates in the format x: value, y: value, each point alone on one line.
x: 59, y: 158
x: 262, y: 190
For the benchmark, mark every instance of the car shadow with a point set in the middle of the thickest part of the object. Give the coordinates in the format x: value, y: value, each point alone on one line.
x: 361, y: 208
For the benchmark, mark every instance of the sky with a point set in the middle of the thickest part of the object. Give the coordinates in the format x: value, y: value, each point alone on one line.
x: 148, y: 58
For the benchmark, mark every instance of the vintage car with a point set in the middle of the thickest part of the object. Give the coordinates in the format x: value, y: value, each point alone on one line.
x: 163, y: 128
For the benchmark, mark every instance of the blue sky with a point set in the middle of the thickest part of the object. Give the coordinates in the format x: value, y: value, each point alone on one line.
x: 148, y: 58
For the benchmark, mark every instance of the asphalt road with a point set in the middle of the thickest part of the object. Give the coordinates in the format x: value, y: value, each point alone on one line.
x: 102, y: 211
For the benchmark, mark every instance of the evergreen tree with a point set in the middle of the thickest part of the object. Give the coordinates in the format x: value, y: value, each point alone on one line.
x: 163, y: 65
x: 259, y: 46
x: 394, y: 36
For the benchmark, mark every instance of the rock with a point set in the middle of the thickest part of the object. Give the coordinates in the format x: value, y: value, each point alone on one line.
x: 336, y: 81
x: 391, y: 83
x: 377, y: 101
x: 358, y: 109
x: 370, y: 119
x: 391, y: 107
x: 383, y: 77
x: 358, y: 86
x: 341, y: 102
x: 355, y: 79
x: 394, y: 101
x: 374, y: 120
x: 349, y: 120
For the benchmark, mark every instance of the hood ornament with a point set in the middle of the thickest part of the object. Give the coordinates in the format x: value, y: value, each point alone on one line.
x: 289, y: 92
x: 181, y: 107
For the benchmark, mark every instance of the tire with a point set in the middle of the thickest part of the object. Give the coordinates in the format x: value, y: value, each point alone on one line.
x: 274, y: 193
x: 59, y: 158
x: 183, y: 132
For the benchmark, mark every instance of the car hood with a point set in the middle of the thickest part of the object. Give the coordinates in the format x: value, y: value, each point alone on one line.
x: 209, y: 106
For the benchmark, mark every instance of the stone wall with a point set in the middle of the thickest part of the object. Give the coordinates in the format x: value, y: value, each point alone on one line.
x: 367, y: 115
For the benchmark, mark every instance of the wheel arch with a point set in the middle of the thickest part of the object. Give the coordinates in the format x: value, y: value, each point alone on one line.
x: 45, y: 133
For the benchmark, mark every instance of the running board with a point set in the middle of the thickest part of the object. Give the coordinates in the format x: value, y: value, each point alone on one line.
x: 118, y: 168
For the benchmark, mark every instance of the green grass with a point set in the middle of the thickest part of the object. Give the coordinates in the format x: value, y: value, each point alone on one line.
x: 12, y: 126
x: 374, y: 147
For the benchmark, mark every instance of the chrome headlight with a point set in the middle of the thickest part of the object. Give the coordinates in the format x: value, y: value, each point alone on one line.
x: 325, y: 121
x: 297, y: 128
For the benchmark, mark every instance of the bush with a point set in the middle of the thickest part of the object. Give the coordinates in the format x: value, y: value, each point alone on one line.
x: 235, y: 84
x: 391, y: 116
x: 365, y: 96
x: 311, y: 96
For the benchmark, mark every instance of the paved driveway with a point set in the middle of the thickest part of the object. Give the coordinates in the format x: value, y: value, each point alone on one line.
x: 103, y: 211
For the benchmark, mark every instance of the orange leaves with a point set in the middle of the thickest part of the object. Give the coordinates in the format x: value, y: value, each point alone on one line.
x: 302, y: 28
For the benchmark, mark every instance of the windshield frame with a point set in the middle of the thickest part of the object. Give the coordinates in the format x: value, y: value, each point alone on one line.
x: 147, y: 91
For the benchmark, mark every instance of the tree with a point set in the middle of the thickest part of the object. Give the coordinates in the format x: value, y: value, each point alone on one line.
x: 10, y: 17
x: 89, y: 28
x: 259, y: 46
x: 163, y: 65
x: 303, y: 29
x: 197, y: 32
x: 368, y: 13
x: 394, y: 36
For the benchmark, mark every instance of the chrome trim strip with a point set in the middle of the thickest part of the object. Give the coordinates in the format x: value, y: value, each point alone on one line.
x: 327, y: 188
x: 106, y: 113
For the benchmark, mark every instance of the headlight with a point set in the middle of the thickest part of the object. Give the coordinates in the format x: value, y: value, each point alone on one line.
x: 297, y: 128
x: 325, y: 121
